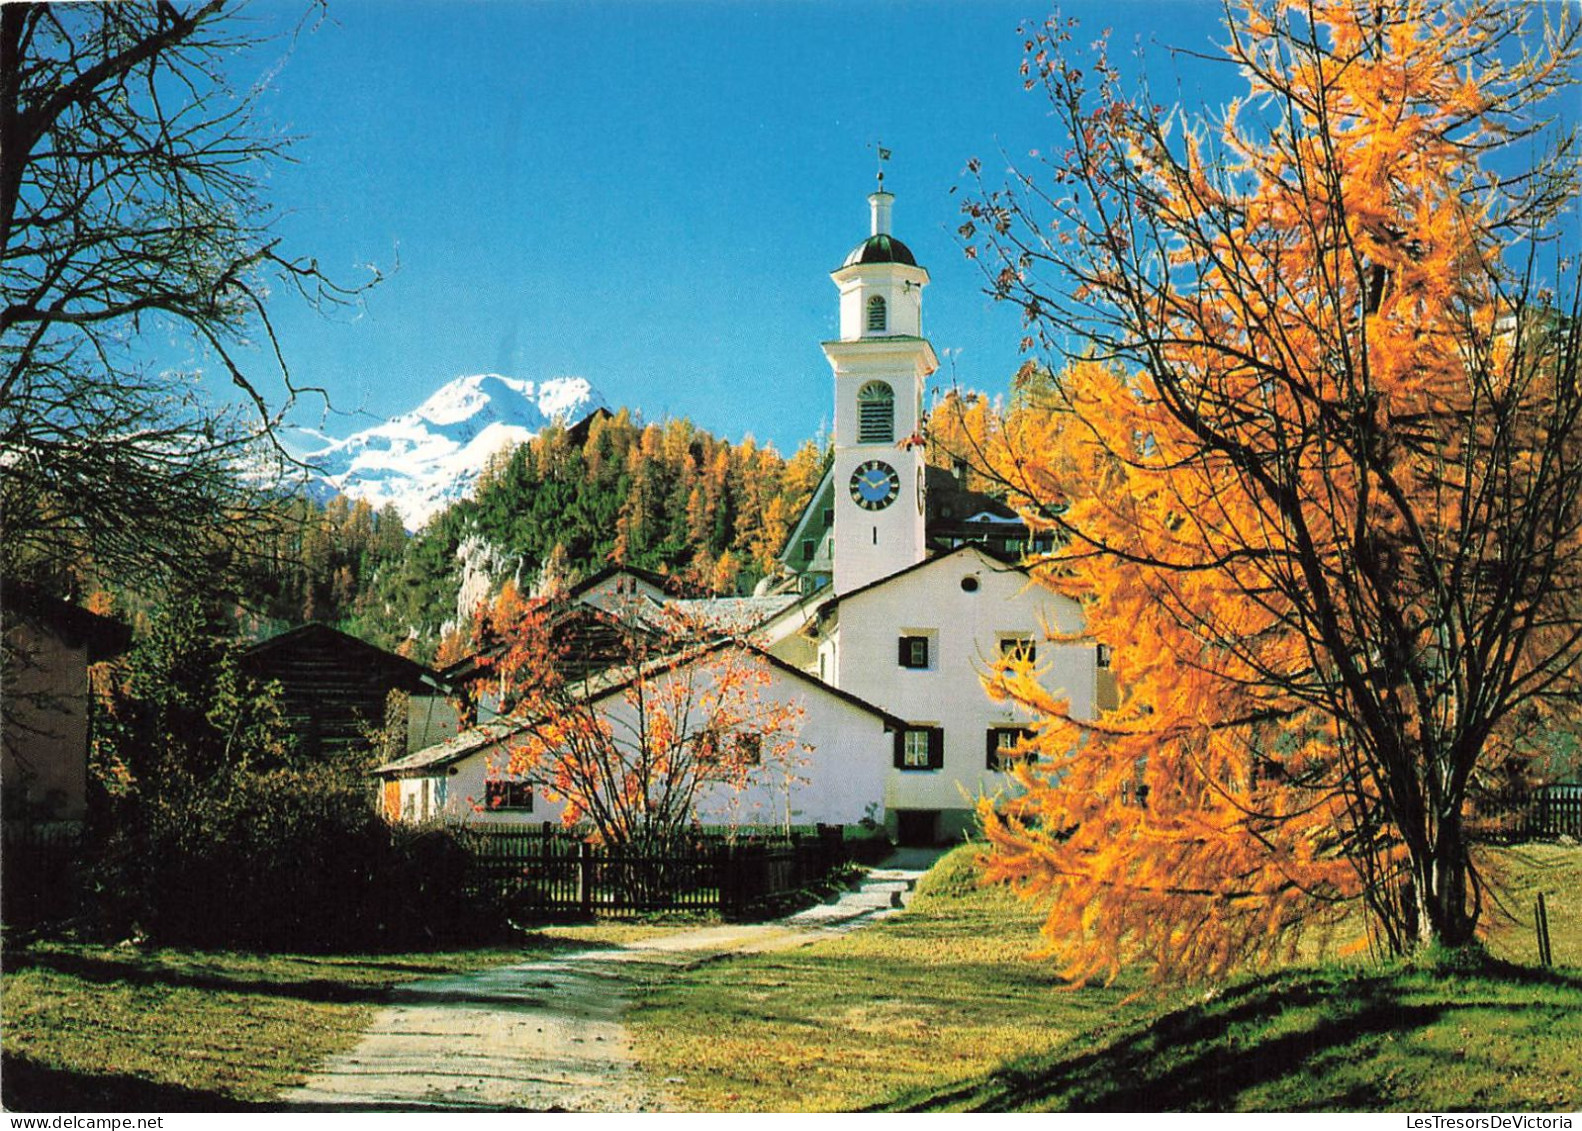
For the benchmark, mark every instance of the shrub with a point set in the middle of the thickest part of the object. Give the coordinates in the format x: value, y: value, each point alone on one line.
x: 209, y: 829
x: 290, y: 859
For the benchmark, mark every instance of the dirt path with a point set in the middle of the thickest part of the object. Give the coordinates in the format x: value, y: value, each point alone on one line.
x: 548, y: 1035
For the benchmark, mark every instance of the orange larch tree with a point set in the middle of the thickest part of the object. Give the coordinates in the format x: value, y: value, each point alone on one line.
x: 1316, y: 471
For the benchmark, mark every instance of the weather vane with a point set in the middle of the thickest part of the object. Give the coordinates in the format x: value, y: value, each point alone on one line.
x: 884, y: 155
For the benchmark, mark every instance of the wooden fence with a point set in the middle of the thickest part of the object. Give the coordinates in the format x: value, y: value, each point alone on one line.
x: 1556, y: 810
x: 540, y: 869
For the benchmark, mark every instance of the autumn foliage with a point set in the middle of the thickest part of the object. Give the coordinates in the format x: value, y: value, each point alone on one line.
x: 636, y: 720
x: 1315, y: 466
x: 668, y: 497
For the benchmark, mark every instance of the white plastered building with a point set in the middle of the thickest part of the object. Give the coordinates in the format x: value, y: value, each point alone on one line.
x: 835, y: 776
x: 901, y: 590
x: 908, y: 620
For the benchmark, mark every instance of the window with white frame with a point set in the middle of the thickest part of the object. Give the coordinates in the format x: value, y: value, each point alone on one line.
x: 1004, y: 746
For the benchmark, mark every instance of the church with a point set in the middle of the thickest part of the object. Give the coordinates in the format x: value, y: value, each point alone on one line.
x: 910, y: 585
x: 898, y: 590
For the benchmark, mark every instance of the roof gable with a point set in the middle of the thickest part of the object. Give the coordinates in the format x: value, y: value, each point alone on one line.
x: 319, y: 639
x: 101, y: 636
x: 823, y: 498
x: 998, y: 563
x: 891, y: 722
x: 593, y: 638
x: 453, y: 749
x: 662, y: 582
x: 495, y: 731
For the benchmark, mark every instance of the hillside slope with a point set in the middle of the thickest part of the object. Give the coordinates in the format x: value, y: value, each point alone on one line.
x: 1506, y: 1038
x: 1503, y: 1036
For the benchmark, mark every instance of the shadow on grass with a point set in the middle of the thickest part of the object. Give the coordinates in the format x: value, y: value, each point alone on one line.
x: 340, y: 985
x: 106, y: 971
x: 26, y: 1085
x: 1283, y: 1030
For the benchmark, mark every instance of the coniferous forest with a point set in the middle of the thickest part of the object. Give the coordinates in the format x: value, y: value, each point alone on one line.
x: 668, y: 497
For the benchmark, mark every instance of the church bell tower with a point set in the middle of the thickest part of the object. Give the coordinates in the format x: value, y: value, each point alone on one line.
x: 881, y: 361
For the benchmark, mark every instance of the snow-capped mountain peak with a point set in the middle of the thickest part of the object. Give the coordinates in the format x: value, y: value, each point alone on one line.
x: 425, y: 459
x: 484, y: 393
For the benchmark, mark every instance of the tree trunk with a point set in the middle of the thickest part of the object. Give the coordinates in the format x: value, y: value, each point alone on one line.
x: 1440, y: 879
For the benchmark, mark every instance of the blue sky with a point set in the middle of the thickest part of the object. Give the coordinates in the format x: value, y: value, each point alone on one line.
x: 649, y: 195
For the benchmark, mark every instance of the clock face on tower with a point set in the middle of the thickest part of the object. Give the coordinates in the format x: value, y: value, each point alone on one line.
x: 874, y: 485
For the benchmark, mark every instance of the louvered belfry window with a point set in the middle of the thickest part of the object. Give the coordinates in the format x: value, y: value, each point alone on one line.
x: 875, y: 413
x: 876, y: 313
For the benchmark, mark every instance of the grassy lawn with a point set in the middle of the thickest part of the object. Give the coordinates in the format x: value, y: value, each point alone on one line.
x: 91, y: 1028
x: 937, y: 1009
x: 1312, y: 1040
x: 940, y: 993
x: 940, y: 1009
x: 1520, y: 873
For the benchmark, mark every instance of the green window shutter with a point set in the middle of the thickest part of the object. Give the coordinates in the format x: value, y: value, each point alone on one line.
x: 900, y: 749
x: 991, y: 760
x: 904, y: 652
x: 936, y: 748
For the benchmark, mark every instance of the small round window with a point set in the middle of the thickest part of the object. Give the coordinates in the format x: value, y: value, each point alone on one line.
x: 969, y: 584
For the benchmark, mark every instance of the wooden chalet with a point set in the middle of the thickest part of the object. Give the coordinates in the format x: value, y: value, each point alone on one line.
x: 336, y: 690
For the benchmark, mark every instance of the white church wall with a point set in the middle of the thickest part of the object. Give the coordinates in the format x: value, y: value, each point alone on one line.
x: 963, y: 627
x: 898, y: 285
x: 869, y: 538
x: 872, y: 543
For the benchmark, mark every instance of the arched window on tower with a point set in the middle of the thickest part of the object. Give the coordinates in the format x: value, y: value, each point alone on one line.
x: 875, y: 413
x: 877, y: 319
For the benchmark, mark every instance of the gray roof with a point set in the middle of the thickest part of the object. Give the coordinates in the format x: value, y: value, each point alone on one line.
x: 599, y: 686
x: 735, y: 614
x: 455, y: 748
